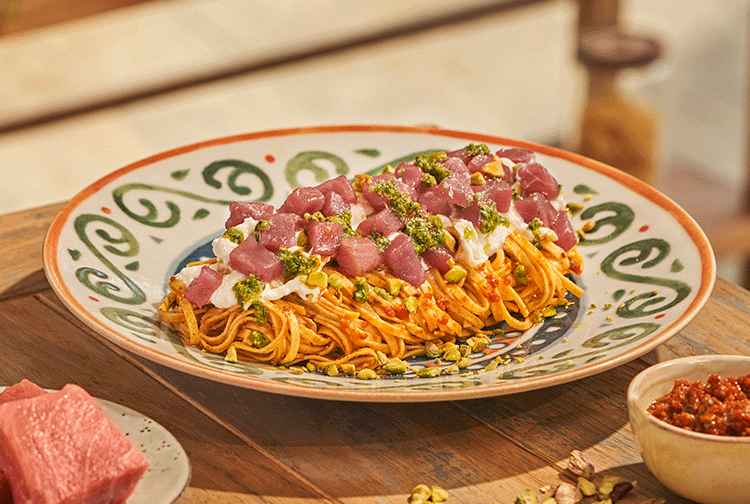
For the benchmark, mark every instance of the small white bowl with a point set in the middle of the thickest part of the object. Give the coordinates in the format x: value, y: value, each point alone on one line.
x: 706, y: 468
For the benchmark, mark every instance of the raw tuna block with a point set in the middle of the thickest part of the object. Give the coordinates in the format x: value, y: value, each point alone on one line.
x: 60, y: 448
x: 21, y: 390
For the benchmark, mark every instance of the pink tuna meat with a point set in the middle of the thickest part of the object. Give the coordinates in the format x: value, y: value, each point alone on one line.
x: 60, y: 448
x: 439, y: 258
x: 250, y: 257
x: 517, y: 155
x: 325, y: 237
x: 203, y: 286
x: 339, y: 185
x: 385, y: 221
x: 358, y: 255
x: 282, y: 232
x: 534, y: 178
x: 21, y: 390
x: 239, y: 211
x: 377, y: 201
x: 334, y: 204
x: 303, y: 200
x: 403, y: 261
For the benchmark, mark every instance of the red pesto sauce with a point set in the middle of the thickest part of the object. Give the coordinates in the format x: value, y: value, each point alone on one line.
x: 720, y: 406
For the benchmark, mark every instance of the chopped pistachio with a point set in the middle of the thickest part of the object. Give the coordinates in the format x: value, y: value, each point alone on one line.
x: 452, y: 354
x: 528, y: 496
x: 296, y: 370
x: 348, y: 369
x: 231, y: 354
x: 452, y: 369
x: 549, y: 500
x: 463, y: 363
x: 411, y: 304
x: 382, y: 357
x: 367, y: 374
x: 477, y: 179
x: 455, y: 274
x: 331, y: 370
x: 464, y: 349
x: 439, y: 494
x: 393, y: 285
x: 395, y: 366
x: 311, y: 366
x: 494, y: 168
x: 432, y: 350
x: 478, y: 342
x: 549, y: 311
x: 334, y: 281
x: 422, y: 490
x: 587, y: 488
x: 428, y: 372
x: 317, y: 279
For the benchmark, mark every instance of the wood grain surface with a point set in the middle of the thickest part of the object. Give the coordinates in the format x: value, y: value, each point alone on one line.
x: 253, y: 447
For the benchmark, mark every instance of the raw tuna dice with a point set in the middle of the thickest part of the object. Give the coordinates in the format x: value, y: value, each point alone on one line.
x: 403, y: 262
x: 358, y: 255
x: 477, y: 162
x: 239, y: 211
x: 334, y: 204
x: 282, y: 231
x: 515, y: 154
x: 534, y: 178
x: 433, y: 201
x: 438, y: 258
x: 325, y: 237
x: 341, y: 186
x: 303, y: 200
x: 410, y: 174
x: 250, y: 257
x: 203, y: 286
x: 499, y: 192
x: 535, y: 206
x: 92, y: 461
x: 385, y: 221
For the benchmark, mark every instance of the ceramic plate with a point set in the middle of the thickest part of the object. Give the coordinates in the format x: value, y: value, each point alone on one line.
x: 168, y: 474
x: 109, y: 253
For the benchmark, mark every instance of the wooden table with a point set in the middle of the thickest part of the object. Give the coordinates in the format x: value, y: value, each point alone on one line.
x: 254, y: 447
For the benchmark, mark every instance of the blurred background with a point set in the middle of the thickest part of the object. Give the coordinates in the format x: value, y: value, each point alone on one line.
x: 656, y: 88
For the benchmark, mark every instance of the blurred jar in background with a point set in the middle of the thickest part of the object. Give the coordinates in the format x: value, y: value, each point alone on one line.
x: 620, y: 124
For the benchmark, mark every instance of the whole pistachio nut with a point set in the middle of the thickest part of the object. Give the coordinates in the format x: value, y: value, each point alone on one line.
x: 565, y: 493
x: 580, y: 464
x: 439, y: 494
x: 527, y: 497
x: 348, y: 369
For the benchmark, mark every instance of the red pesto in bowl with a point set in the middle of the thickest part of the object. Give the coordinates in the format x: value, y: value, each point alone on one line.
x: 720, y: 406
